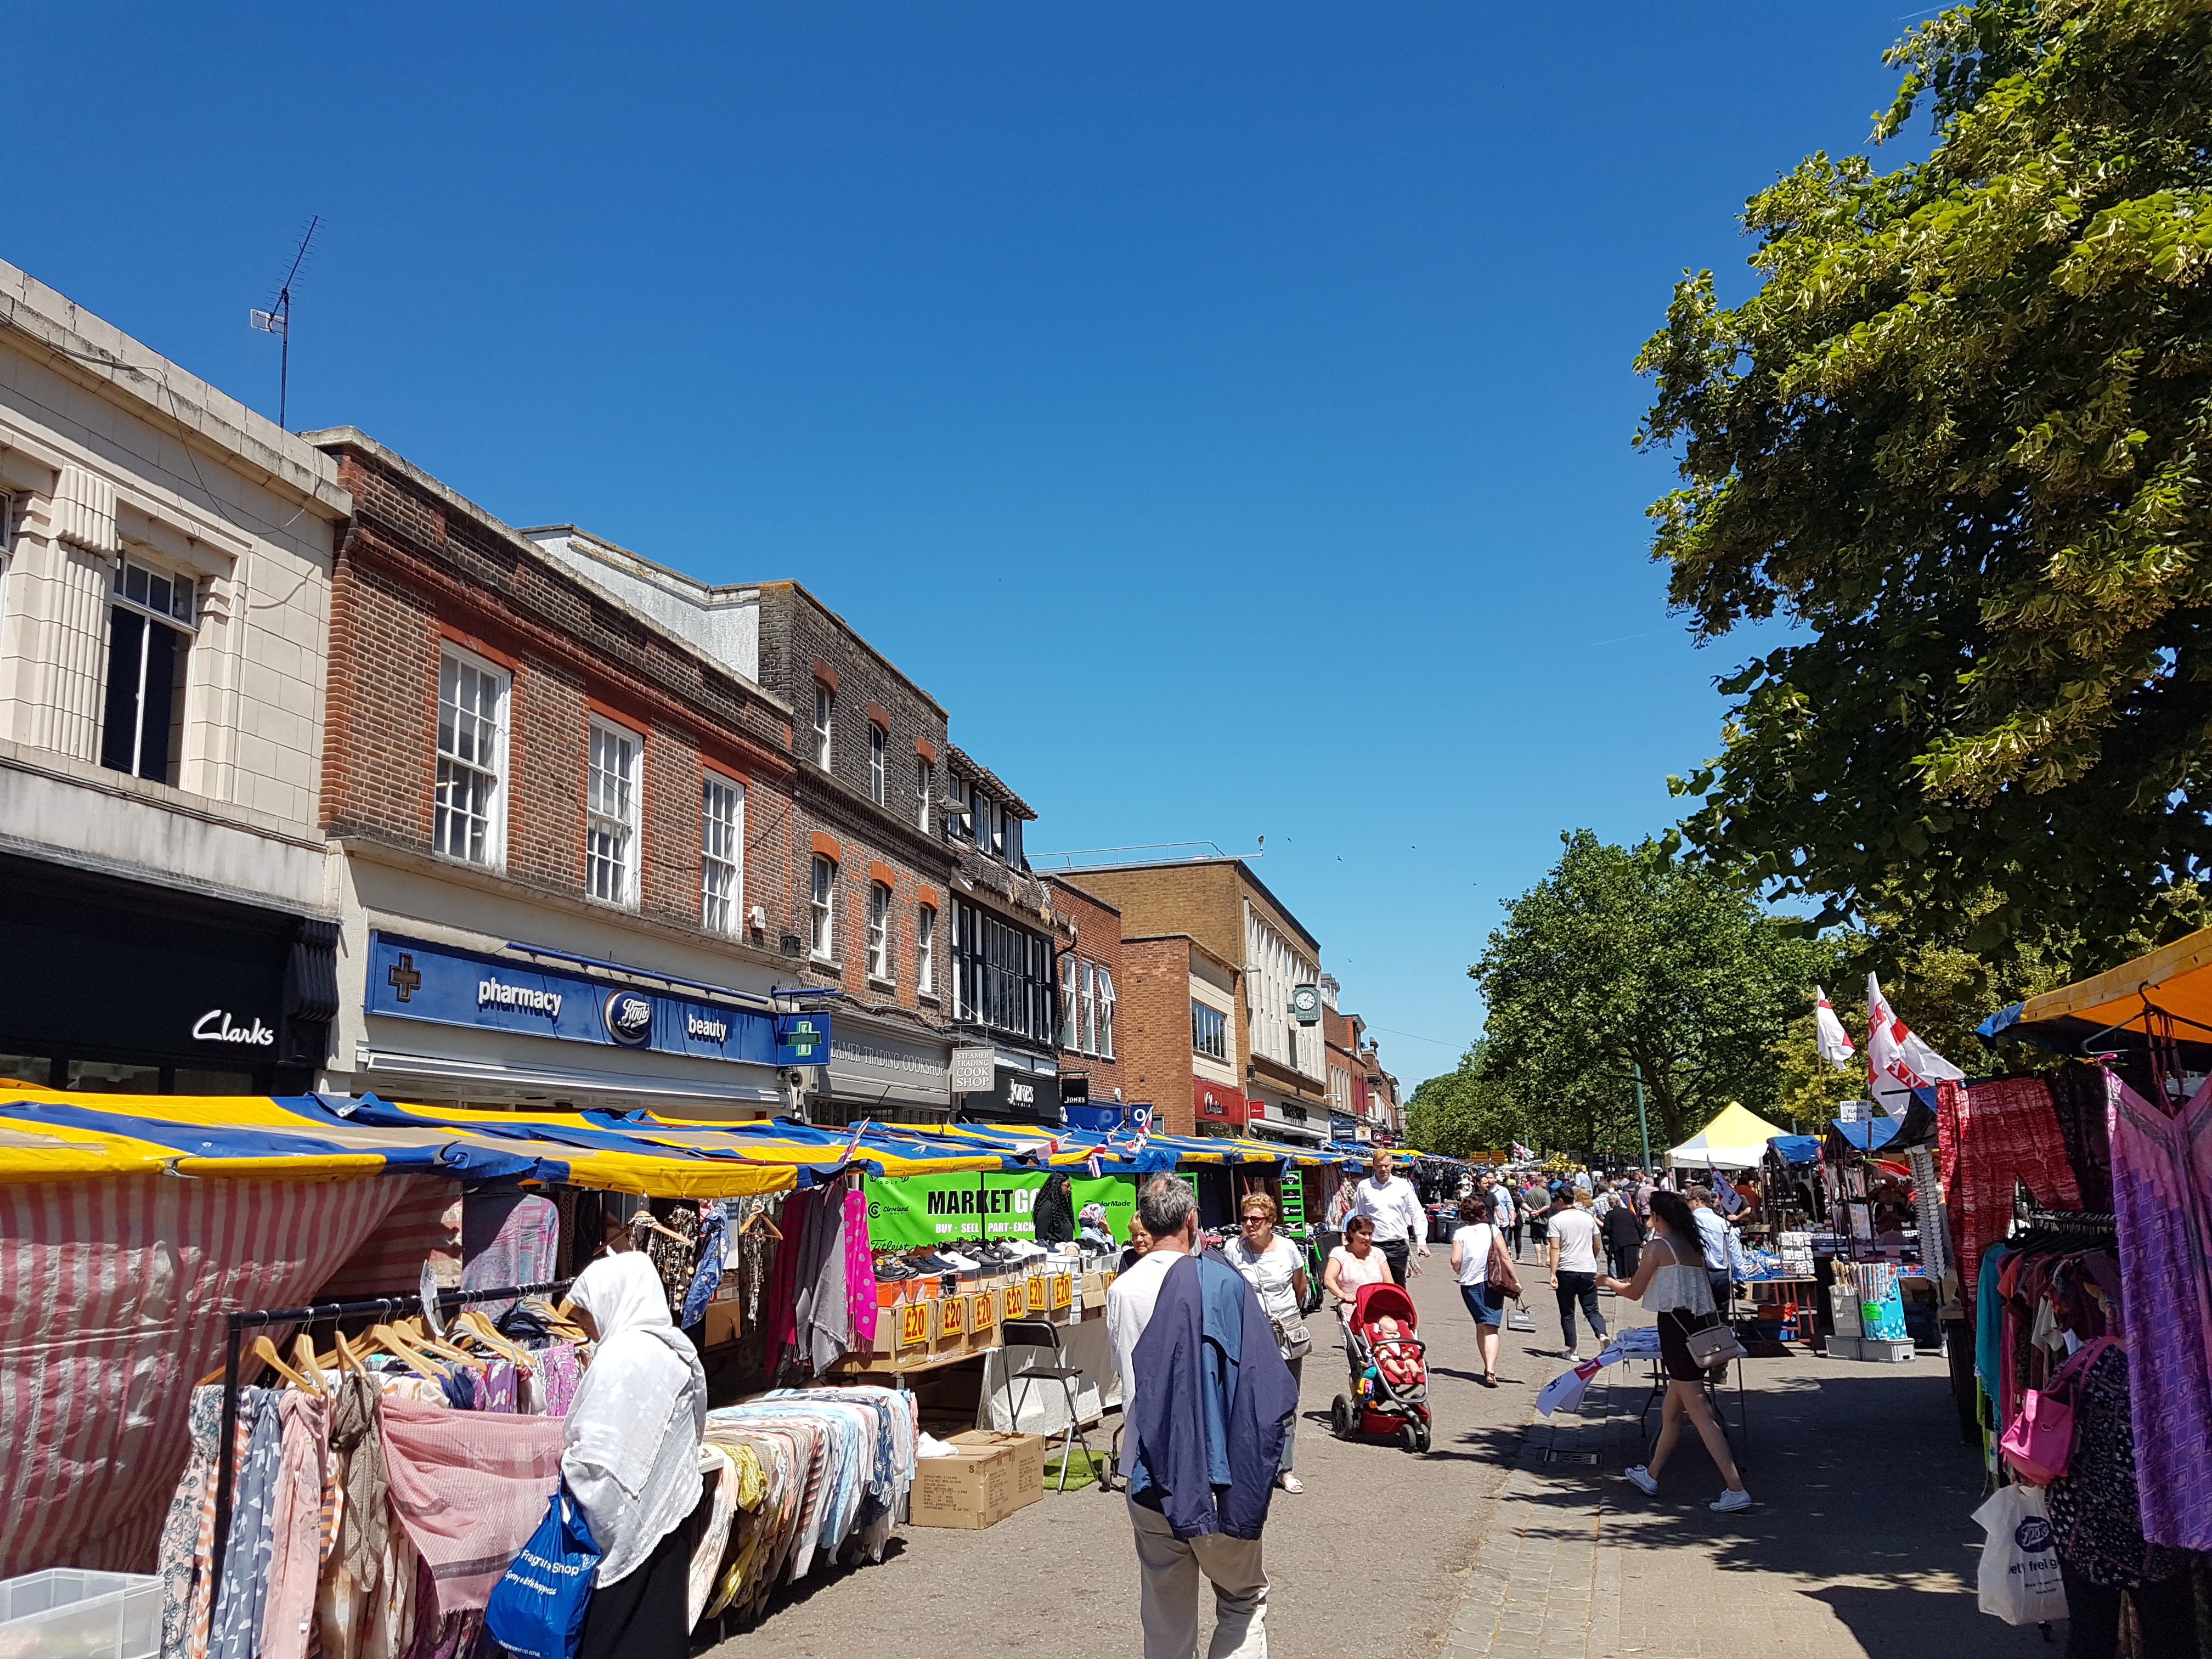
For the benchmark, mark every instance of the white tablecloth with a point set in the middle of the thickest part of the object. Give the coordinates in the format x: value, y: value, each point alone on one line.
x: 1043, y: 1405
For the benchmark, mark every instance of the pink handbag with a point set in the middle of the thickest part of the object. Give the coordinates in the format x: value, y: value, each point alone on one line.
x: 2041, y: 1437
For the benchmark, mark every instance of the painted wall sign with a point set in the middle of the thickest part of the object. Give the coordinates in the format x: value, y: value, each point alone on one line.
x: 415, y: 979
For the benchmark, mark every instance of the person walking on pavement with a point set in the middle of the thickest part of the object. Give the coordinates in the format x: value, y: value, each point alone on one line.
x: 1672, y: 1282
x: 1275, y: 1268
x: 1574, y: 1249
x: 1355, y: 1262
x: 1715, y: 1239
x: 1470, y: 1259
x: 1174, y: 1553
x: 1505, y: 1213
x: 1537, y: 1204
x: 1624, y: 1238
x: 1391, y: 1203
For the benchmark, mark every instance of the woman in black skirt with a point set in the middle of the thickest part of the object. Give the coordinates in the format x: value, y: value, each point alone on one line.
x: 1671, y: 1280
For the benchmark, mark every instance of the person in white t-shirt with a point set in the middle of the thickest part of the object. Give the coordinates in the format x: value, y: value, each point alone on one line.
x: 1470, y: 1261
x: 1574, y: 1261
x: 1275, y: 1268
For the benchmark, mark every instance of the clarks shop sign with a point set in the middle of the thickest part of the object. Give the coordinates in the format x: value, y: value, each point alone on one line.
x: 414, y: 978
x: 221, y: 1025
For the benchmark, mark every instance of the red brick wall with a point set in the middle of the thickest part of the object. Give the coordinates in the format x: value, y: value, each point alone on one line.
x: 1098, y: 939
x: 861, y: 841
x: 411, y: 573
x: 1154, y: 1037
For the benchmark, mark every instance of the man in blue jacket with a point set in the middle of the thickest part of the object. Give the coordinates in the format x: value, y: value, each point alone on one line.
x: 1202, y: 1434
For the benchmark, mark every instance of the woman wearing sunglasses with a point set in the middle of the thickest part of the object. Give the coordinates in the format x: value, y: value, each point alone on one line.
x: 1276, y: 1270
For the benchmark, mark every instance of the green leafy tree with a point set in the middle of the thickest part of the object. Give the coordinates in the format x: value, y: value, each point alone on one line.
x: 1465, y: 1111
x: 1959, y: 434
x: 1625, y: 959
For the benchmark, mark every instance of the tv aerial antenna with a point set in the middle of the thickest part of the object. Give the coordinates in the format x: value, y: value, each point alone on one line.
x: 277, y: 321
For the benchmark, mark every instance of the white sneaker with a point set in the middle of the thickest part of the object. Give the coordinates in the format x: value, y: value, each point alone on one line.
x: 1729, y: 1502
x: 1574, y: 1359
x: 1640, y: 1477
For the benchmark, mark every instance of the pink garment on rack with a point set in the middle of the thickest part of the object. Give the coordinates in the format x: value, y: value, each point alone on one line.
x: 296, y: 1527
x: 2165, y: 1212
x: 470, y: 1487
x: 859, y: 1272
x: 1987, y: 1137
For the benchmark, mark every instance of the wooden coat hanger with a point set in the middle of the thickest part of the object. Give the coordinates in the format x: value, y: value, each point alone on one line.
x: 397, y: 1346
x: 759, y: 1213
x: 479, y: 1325
x: 310, y: 1369
x: 266, y: 1351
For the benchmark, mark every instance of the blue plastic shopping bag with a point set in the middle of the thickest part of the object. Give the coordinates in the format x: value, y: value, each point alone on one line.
x: 537, y: 1611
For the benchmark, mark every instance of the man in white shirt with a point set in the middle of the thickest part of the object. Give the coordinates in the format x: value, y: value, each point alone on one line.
x: 1169, y: 1567
x: 1574, y: 1262
x: 1391, y: 1205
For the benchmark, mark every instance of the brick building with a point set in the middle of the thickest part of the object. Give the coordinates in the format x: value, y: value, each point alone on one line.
x: 166, y: 924
x: 565, y: 877
x: 1220, y: 905
x: 1347, y: 1068
x: 1091, y: 979
x: 868, y: 866
x: 1181, y: 1033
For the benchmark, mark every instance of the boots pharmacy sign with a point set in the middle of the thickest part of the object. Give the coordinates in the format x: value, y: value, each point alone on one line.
x: 416, y: 979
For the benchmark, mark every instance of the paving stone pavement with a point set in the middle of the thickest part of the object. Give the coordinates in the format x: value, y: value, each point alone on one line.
x: 1861, y: 1541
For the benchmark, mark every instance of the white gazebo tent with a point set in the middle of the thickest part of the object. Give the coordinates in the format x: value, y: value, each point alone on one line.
x: 1736, y: 1140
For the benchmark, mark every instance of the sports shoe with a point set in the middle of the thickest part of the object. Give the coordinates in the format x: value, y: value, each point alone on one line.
x: 1573, y: 1358
x: 1640, y: 1477
x: 1729, y: 1502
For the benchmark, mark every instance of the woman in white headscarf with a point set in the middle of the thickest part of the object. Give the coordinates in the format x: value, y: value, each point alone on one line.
x: 631, y: 1459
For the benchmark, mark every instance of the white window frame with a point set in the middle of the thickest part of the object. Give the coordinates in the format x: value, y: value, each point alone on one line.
x: 1071, y: 1032
x: 878, y: 937
x: 1087, y: 1028
x: 494, y: 845
x: 1221, y: 1023
x: 925, y: 774
x: 1105, y: 1013
x: 821, y: 900
x: 721, y: 854
x: 924, y: 950
x: 825, y: 721
x: 6, y: 548
x: 610, y: 826
x: 879, y: 744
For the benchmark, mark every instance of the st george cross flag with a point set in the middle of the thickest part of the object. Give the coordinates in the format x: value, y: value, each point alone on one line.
x: 1522, y: 1152
x: 1834, y: 1042
x: 1896, y: 1060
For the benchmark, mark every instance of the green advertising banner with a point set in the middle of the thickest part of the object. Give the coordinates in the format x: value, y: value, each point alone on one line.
x: 905, y: 1212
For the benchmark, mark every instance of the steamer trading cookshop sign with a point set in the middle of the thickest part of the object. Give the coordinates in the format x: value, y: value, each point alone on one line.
x: 414, y: 979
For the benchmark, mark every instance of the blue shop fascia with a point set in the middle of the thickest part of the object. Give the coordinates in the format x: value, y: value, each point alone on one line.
x: 529, y: 1024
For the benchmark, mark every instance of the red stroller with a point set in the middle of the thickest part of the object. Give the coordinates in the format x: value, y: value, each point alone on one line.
x: 1388, y: 1357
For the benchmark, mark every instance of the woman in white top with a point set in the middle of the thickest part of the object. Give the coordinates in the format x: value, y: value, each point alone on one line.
x: 1276, y: 1270
x: 1351, y: 1264
x: 1671, y: 1280
x: 1470, y: 1261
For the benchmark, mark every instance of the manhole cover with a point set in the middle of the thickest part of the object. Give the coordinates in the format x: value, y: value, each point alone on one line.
x: 1570, y: 1457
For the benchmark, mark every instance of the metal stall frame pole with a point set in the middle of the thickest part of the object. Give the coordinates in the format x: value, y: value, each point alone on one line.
x: 386, y: 1305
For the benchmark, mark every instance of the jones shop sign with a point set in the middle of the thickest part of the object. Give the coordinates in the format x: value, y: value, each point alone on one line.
x: 414, y: 978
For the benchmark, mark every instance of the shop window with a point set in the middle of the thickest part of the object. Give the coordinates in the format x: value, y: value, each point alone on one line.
x: 880, y: 931
x: 211, y: 1080
x: 1105, y: 1049
x: 35, y: 1069
x: 879, y: 743
x: 922, y: 770
x: 979, y: 818
x: 150, y: 623
x: 1070, y: 1038
x: 466, y: 820
x: 104, y: 1076
x: 825, y: 709
x: 721, y: 854
x: 1209, y: 1031
x: 924, y: 950
x: 610, y: 816
x: 825, y: 894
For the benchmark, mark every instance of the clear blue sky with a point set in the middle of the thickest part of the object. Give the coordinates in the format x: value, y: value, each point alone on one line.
x: 1223, y: 409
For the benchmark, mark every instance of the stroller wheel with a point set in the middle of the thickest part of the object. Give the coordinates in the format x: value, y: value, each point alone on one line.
x: 1421, y: 1441
x: 1411, y: 1435
x: 1340, y: 1418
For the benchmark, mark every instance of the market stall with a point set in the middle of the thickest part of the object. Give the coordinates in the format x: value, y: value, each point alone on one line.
x: 1735, y: 1140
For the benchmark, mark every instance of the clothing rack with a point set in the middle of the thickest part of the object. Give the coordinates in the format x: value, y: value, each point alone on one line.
x: 315, y: 1313
x: 2077, y: 1221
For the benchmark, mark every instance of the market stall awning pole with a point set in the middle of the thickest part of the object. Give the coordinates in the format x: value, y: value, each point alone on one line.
x: 1643, y: 1124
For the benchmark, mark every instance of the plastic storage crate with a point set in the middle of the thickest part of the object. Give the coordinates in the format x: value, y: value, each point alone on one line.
x: 68, y: 1611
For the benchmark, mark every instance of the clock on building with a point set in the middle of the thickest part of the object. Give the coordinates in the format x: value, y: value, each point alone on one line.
x: 1305, y: 1004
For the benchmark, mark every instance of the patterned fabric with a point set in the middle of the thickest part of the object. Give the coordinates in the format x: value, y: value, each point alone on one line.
x: 364, y: 1519
x: 142, y: 1271
x: 559, y: 1370
x: 241, y: 1598
x: 2094, y: 1507
x: 182, y: 1553
x: 2161, y: 1206
x: 494, y: 1386
x: 295, y: 1540
x: 859, y: 1272
x: 1989, y: 1136
x: 508, y: 1238
x: 706, y: 1277
x: 2080, y: 1094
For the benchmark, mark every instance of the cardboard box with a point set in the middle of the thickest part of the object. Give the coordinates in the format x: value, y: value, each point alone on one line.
x: 723, y: 1324
x: 974, y: 1489
x: 1094, y: 1290
x: 1028, y: 1452
x: 948, y: 1324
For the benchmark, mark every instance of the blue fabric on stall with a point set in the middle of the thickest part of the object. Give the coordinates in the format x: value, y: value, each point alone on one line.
x: 1796, y: 1149
x: 1988, y: 1320
x: 240, y: 1597
x: 1870, y: 1136
x: 713, y: 1247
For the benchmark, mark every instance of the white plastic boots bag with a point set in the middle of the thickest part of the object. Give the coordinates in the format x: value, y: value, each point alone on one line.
x: 2020, y: 1580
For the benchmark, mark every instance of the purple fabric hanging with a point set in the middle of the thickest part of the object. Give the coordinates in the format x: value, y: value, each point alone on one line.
x: 2161, y: 1201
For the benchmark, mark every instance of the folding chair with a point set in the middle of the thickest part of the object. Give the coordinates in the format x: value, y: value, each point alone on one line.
x: 1040, y: 1333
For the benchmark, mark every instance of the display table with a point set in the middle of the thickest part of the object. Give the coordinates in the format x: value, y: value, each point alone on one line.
x: 1044, y: 1407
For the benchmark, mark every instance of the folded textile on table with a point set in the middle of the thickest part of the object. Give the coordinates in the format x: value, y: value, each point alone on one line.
x: 468, y: 1488
x: 1564, y: 1391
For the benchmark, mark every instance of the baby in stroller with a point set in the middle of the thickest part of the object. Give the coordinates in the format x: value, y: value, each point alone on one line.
x: 1389, y: 1368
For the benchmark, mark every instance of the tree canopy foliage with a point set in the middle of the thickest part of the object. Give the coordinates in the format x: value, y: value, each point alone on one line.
x: 1960, y: 434
x: 1469, y: 1110
x: 1630, y: 958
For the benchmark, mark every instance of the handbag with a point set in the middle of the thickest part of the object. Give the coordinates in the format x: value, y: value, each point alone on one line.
x: 537, y: 1609
x: 2040, y: 1439
x: 1292, y: 1338
x: 1499, y: 1272
x: 1715, y: 1347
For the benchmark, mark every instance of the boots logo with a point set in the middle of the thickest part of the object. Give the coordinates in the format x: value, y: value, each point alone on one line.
x: 629, y: 1019
x: 216, y: 1026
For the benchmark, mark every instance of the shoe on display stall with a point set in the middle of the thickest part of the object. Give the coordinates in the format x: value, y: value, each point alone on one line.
x: 1640, y: 1477
x: 1729, y: 1502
